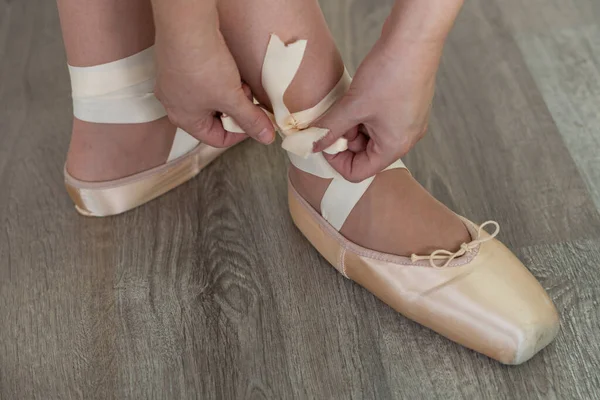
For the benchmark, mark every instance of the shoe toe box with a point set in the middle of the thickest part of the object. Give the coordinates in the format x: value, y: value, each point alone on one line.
x: 533, y: 338
x: 501, y: 309
x: 488, y: 301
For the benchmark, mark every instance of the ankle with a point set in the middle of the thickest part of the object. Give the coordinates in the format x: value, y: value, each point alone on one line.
x: 102, y: 152
x: 310, y: 187
x: 396, y: 215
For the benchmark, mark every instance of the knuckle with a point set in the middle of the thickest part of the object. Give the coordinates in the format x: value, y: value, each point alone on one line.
x: 404, y: 147
x: 255, y: 121
x: 401, y: 145
x: 355, y: 178
x: 195, y: 127
x: 199, y: 126
x: 235, y: 99
x: 174, y: 117
x: 215, y: 143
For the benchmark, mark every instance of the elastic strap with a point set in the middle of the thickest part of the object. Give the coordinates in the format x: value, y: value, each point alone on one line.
x: 119, y: 92
x: 122, y: 92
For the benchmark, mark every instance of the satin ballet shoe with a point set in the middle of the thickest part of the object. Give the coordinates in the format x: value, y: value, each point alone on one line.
x: 480, y: 296
x: 100, y: 199
x: 121, y: 92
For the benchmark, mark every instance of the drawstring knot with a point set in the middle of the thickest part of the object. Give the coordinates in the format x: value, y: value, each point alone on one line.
x: 448, y: 256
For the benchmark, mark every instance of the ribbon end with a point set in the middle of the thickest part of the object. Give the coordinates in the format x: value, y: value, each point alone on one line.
x: 340, y: 145
x: 301, y: 143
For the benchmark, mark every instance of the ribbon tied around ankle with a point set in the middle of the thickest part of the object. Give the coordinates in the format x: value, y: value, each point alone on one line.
x: 448, y: 256
x: 280, y: 65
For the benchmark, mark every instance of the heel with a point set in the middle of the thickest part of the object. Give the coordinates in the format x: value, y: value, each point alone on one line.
x: 101, y: 199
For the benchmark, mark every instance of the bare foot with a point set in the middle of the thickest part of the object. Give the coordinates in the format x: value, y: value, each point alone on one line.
x: 396, y: 215
x: 102, y: 152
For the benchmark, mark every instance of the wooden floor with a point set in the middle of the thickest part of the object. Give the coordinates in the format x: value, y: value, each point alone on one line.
x: 210, y: 291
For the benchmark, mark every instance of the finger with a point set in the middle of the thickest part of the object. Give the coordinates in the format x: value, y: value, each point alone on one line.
x: 252, y: 119
x: 359, y: 166
x: 357, y: 140
x: 210, y: 130
x: 232, y: 138
x: 339, y: 120
x: 247, y: 91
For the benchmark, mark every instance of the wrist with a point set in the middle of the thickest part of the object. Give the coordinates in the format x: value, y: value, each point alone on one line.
x: 421, y: 22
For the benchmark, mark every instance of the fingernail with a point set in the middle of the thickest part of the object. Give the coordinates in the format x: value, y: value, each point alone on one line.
x: 265, y: 136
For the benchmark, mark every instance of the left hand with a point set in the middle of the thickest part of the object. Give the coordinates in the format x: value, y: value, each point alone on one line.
x: 386, y: 109
x: 383, y: 115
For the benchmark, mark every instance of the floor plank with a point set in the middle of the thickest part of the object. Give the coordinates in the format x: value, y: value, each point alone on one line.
x: 494, y: 150
x: 210, y: 291
x: 569, y: 271
x: 544, y: 16
x: 566, y: 67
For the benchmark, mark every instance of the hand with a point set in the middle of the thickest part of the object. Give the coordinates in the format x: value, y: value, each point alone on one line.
x: 198, y: 81
x: 383, y: 115
x: 386, y: 109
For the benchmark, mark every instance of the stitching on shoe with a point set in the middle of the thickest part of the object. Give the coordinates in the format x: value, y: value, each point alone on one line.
x: 342, y: 263
x: 376, y: 255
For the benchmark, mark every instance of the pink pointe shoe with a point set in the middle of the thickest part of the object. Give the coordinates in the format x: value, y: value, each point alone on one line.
x: 481, y: 296
x: 122, y: 92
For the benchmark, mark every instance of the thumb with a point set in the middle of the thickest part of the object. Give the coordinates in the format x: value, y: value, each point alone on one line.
x: 252, y: 119
x: 339, y: 120
x: 210, y: 131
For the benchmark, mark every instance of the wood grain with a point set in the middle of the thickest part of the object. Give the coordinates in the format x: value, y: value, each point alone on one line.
x: 210, y: 292
x: 565, y: 68
x: 514, y: 162
x: 546, y: 16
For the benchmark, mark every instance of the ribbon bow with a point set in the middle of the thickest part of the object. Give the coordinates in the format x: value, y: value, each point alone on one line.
x: 448, y: 256
x: 280, y: 65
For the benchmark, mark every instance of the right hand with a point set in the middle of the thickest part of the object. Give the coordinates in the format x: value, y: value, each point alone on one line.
x: 197, y: 82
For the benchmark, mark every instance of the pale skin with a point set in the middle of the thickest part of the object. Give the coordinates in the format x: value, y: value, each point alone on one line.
x: 386, y: 110
x: 96, y: 32
x: 198, y: 77
x: 396, y: 215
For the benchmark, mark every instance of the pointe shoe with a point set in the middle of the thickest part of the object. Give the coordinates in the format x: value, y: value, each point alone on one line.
x: 121, y: 92
x: 100, y: 199
x: 481, y: 296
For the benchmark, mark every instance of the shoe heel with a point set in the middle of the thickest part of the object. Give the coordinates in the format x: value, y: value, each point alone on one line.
x: 102, y: 199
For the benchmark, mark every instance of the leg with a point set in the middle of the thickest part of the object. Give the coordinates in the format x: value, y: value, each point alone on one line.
x: 396, y: 215
x: 246, y: 26
x: 97, y: 32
